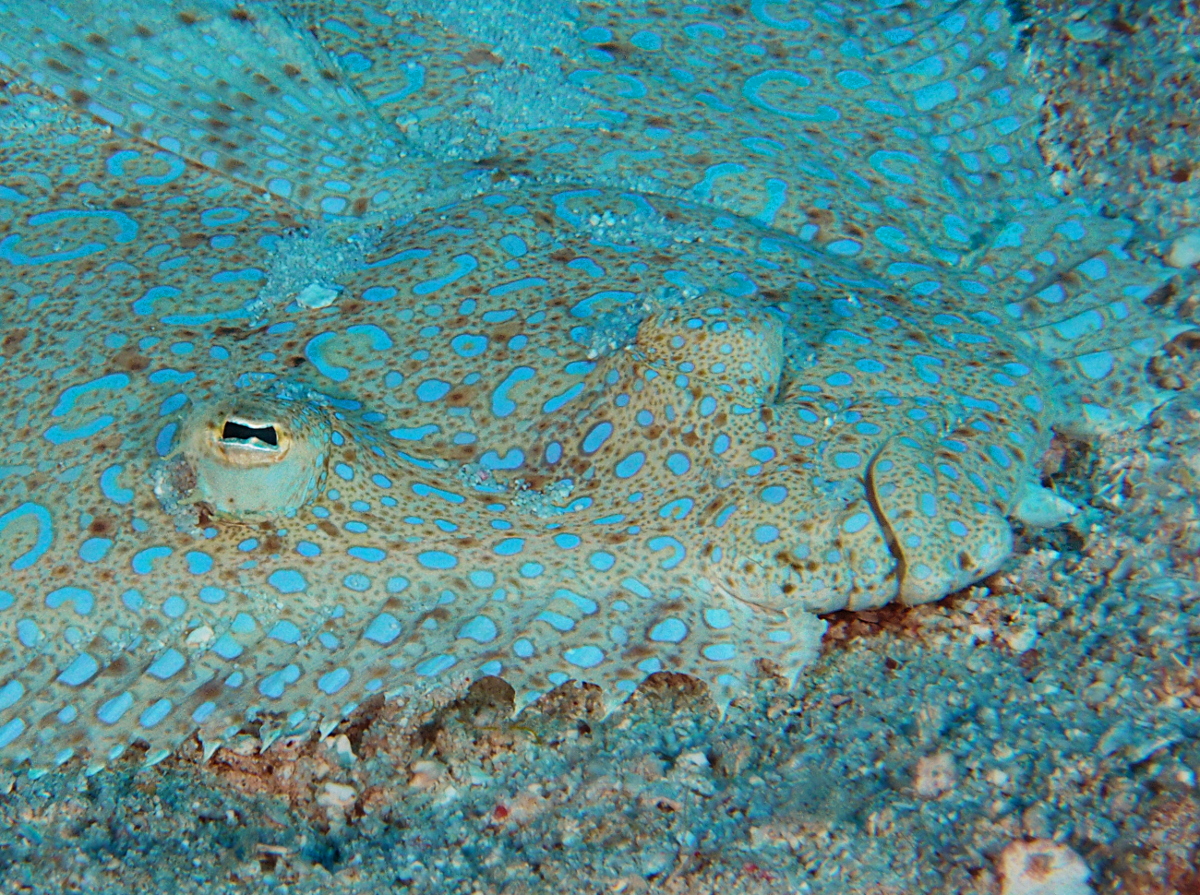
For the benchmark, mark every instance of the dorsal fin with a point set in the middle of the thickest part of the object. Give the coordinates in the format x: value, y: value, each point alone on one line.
x: 233, y: 87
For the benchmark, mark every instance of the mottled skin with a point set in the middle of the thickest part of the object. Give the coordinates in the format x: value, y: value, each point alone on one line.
x: 547, y: 431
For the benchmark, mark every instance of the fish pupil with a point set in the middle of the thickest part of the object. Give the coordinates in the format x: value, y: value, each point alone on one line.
x: 265, y: 434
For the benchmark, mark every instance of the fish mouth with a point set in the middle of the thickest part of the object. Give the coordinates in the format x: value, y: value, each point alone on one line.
x: 249, y: 458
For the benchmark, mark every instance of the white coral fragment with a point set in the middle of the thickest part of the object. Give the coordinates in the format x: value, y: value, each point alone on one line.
x: 1042, y: 867
x: 1185, y: 250
x: 1040, y: 507
x: 317, y: 295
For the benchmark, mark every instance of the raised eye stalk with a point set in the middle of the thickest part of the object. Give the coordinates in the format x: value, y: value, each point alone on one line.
x: 248, y: 458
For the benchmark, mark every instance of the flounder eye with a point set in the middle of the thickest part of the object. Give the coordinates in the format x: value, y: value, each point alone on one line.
x: 254, y: 457
x: 235, y: 430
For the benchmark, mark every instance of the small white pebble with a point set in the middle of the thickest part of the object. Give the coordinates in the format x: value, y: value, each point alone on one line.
x: 698, y: 759
x: 337, y: 796
x: 426, y: 774
x: 343, y: 749
x: 1185, y: 250
x: 1042, y: 867
x: 935, y: 775
x: 244, y: 744
x: 315, y: 295
x: 1020, y: 639
x: 982, y: 633
x: 201, y: 637
x: 1041, y: 508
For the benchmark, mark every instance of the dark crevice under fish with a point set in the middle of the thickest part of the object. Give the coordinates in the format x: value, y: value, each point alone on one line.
x: 351, y: 349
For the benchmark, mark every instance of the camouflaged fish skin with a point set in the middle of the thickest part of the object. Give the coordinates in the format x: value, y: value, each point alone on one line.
x: 630, y: 347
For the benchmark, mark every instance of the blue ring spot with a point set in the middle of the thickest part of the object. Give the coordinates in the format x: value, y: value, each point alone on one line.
x: 273, y: 685
x: 76, y: 674
x: 664, y: 542
x: 556, y: 620
x: 82, y: 600
x: 928, y: 504
x: 437, y: 559
x: 677, y: 508
x: 315, y: 352
x: 285, y: 632
x: 174, y: 606
x: 765, y: 534
x: 333, y: 681
x: 287, y: 581
x: 45, y: 532
x: 596, y: 437
x: 111, y: 488
x: 28, y: 632
x: 856, y: 523
x: 482, y: 578
x: 678, y: 463
x: 670, y: 630
x: 199, y: 563
x: 584, y: 656
x: 509, y: 547
x: 432, y: 390
x: 602, y: 561
x: 167, y: 665
x: 368, y: 554
x: 435, y: 666
x: 469, y: 345
x: 94, y: 549
x: 999, y: 456
x: 11, y: 731
x: 718, y: 618
x: 870, y: 365
x: 630, y: 465
x: 502, y: 405
x: 143, y: 561
x: 839, y: 379
x: 384, y: 628
x: 774, y: 494
x: 111, y: 711
x: 481, y: 629
x: 847, y: 459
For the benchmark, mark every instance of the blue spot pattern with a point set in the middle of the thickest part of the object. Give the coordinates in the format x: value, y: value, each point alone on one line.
x: 545, y: 426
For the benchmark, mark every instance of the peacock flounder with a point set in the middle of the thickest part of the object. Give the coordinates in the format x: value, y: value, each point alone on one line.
x: 352, y: 349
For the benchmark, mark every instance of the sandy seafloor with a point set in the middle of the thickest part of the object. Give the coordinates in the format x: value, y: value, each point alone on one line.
x: 1036, y: 733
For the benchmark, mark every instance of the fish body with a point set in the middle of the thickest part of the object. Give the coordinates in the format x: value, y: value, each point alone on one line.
x: 642, y: 382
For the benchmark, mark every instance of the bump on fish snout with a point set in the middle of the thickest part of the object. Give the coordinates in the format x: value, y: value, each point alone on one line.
x: 247, y: 458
